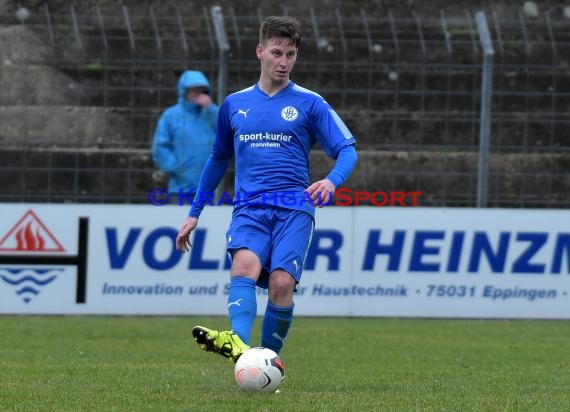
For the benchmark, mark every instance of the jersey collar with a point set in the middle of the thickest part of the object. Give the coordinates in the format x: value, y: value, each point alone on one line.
x: 280, y: 93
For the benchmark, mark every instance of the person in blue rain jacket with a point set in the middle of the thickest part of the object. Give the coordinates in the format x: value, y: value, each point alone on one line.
x: 185, y: 134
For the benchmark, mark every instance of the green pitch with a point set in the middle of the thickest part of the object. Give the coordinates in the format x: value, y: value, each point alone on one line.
x: 334, y: 364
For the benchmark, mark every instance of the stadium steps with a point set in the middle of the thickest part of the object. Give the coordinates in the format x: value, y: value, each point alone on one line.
x: 511, y: 131
x: 126, y: 176
x: 62, y: 126
x: 41, y: 106
x: 133, y: 127
x: 39, y: 84
x: 515, y: 179
x: 77, y: 175
x: 413, y: 109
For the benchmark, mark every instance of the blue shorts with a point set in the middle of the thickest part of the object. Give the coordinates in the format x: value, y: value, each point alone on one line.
x: 279, y: 237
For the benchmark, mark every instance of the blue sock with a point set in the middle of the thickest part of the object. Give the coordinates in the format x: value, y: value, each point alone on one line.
x: 242, y: 306
x: 275, y: 327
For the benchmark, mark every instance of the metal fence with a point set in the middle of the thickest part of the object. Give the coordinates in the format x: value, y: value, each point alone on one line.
x: 82, y: 91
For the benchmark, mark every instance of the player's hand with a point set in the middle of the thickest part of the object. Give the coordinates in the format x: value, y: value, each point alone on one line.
x: 183, y: 243
x: 321, y: 192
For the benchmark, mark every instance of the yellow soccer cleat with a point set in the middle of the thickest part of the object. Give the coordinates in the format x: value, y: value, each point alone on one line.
x: 226, y: 343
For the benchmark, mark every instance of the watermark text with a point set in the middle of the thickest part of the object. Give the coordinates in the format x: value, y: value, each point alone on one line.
x: 342, y: 197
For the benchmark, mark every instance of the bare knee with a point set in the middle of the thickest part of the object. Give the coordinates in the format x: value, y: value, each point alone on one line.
x: 281, y: 286
x: 246, y: 263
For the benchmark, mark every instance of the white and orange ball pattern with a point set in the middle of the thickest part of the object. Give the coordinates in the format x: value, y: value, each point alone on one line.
x: 259, y: 370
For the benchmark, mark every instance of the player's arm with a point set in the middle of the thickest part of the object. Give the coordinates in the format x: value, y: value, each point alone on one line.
x: 212, y: 175
x: 322, y: 191
x: 339, y: 143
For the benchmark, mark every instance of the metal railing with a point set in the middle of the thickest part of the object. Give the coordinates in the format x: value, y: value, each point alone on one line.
x: 80, y: 102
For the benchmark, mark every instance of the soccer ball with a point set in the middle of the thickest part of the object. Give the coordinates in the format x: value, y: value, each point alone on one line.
x: 259, y: 370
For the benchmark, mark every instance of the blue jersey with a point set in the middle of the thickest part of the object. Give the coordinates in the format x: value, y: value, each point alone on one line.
x: 271, y: 137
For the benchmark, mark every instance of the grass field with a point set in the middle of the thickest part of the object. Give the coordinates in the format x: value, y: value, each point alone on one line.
x: 332, y: 364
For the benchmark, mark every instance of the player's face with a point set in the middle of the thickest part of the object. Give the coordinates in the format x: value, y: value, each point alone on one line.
x: 277, y: 56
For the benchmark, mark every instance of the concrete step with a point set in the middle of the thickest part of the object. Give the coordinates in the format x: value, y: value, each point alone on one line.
x: 18, y: 43
x: 78, y: 175
x: 133, y: 127
x: 510, y: 131
x: 515, y: 179
x: 62, y: 126
x: 39, y: 85
x: 126, y: 176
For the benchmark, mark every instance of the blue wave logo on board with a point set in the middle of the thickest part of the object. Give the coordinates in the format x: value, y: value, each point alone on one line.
x: 28, y: 282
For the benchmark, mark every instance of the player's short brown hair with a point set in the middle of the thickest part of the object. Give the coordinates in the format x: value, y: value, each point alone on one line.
x: 281, y: 27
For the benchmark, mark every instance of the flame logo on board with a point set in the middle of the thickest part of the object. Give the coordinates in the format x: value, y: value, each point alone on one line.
x: 28, y: 240
x: 30, y: 234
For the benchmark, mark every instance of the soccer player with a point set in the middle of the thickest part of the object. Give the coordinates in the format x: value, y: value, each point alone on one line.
x: 270, y: 128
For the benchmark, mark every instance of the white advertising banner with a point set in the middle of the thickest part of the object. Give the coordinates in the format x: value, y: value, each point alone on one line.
x: 363, y: 261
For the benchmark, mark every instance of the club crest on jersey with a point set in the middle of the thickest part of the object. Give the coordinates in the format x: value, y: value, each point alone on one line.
x: 289, y: 113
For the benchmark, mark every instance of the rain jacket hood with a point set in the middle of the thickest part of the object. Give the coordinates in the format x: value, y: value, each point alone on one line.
x: 189, y: 79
